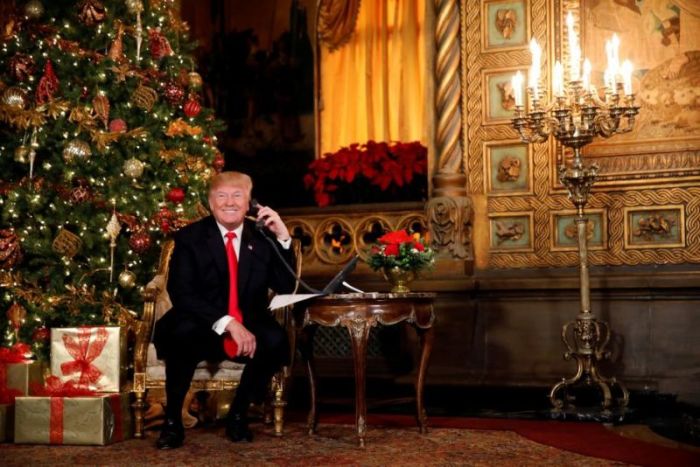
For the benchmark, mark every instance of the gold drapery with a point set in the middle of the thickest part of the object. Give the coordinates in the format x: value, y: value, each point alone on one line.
x: 336, y: 21
x: 373, y: 87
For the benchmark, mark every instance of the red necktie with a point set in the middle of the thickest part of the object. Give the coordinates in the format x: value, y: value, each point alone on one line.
x: 230, y: 346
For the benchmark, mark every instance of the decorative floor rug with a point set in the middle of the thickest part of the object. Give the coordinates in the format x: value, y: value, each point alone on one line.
x: 390, y: 440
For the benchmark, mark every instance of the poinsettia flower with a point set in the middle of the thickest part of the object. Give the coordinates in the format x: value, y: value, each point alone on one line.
x: 395, y: 237
x: 418, y: 246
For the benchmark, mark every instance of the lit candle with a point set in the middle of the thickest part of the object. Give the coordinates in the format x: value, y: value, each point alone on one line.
x: 534, y: 75
x: 627, y: 77
x: 517, y: 83
x: 558, y: 79
x: 574, y: 50
x: 586, y: 75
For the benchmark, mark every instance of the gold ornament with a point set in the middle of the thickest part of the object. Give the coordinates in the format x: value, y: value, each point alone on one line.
x: 127, y: 279
x: 76, y: 149
x: 113, y: 227
x: 101, y: 105
x: 134, y: 6
x: 34, y: 9
x: 144, y: 97
x: 22, y: 154
x: 91, y: 12
x: 15, y: 97
x: 133, y: 168
x: 67, y: 243
x: 16, y: 315
x: 195, y: 80
x: 116, y: 50
x: 10, y: 249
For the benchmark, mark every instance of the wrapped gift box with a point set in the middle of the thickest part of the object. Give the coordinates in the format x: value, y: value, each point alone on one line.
x: 21, y: 376
x: 88, y: 420
x: 6, y: 415
x: 92, y: 357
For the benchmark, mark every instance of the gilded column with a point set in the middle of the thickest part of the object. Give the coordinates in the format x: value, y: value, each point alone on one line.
x: 449, y: 210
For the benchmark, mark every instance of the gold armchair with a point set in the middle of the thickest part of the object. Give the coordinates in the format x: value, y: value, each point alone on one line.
x: 149, y: 372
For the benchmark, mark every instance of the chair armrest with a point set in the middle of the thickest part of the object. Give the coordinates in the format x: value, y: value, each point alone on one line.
x: 144, y: 328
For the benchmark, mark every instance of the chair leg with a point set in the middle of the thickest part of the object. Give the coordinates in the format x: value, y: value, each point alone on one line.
x: 188, y: 421
x: 278, y: 402
x: 139, y: 407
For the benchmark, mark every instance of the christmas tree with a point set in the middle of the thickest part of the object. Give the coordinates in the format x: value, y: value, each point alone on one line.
x: 105, y: 150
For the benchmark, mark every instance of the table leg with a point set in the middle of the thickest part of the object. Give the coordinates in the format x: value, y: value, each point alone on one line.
x: 359, y: 332
x: 306, y: 348
x: 426, y: 338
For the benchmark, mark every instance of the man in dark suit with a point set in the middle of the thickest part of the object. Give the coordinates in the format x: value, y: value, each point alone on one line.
x: 219, y: 275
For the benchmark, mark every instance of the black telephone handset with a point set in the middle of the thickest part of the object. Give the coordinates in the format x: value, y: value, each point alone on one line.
x: 253, y: 209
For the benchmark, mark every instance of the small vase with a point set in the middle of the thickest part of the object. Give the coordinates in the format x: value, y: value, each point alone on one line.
x: 399, y: 279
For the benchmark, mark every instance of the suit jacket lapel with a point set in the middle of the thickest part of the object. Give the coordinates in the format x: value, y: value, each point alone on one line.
x: 215, y: 243
x: 245, y: 256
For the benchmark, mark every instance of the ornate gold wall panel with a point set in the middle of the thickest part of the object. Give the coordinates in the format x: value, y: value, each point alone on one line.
x: 649, y: 200
x: 332, y: 236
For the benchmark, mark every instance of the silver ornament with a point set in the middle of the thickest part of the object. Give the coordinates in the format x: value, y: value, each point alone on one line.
x: 76, y: 150
x: 15, y: 97
x: 133, y: 168
x: 127, y: 279
x: 34, y: 9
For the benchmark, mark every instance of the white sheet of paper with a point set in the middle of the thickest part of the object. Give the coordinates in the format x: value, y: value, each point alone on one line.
x: 280, y: 301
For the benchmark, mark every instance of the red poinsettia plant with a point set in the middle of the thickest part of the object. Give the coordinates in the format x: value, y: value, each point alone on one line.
x: 381, y: 165
x: 401, y: 249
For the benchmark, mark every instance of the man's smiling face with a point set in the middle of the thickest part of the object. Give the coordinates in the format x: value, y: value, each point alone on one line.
x: 229, y: 204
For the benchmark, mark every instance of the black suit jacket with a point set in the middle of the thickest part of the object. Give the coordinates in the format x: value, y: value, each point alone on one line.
x: 198, y: 278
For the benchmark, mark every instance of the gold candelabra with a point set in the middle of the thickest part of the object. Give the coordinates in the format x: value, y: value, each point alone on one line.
x: 576, y: 116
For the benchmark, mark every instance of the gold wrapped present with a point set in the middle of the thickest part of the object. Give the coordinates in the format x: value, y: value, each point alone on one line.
x: 87, y: 420
x: 6, y: 416
x: 92, y: 357
x: 21, y: 376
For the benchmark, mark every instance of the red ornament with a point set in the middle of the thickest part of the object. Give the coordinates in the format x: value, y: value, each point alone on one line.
x: 21, y: 67
x: 48, y: 85
x: 117, y: 126
x: 158, y: 44
x: 191, y: 108
x: 173, y: 93
x: 219, y: 162
x: 140, y: 241
x: 41, y: 334
x: 176, y: 195
x: 80, y: 194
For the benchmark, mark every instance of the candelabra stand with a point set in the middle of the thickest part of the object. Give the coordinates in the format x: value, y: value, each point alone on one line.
x: 574, y: 119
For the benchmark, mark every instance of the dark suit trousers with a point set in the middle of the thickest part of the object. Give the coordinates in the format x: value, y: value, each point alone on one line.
x: 195, y: 342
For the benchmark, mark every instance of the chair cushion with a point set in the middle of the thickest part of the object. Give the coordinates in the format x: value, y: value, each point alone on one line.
x: 225, y: 371
x: 206, y: 371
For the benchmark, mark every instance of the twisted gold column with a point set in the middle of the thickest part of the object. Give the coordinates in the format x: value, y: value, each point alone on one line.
x: 449, y: 209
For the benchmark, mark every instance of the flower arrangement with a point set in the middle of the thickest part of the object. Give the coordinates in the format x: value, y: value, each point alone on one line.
x: 383, y: 166
x: 399, y: 249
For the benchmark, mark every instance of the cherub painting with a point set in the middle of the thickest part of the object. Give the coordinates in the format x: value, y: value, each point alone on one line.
x: 661, y: 39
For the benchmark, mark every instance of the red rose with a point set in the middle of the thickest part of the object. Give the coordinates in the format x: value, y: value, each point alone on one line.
x: 398, y: 236
x: 391, y: 250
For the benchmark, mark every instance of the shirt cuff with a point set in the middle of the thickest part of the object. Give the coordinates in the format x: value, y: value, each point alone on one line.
x: 285, y: 243
x: 221, y: 323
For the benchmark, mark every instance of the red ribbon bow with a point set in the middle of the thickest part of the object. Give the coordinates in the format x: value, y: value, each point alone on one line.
x: 84, y: 354
x: 54, y: 387
x: 16, y: 354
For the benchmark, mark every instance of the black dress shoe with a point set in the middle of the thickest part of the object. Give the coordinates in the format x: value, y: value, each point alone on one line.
x: 237, y: 428
x: 171, y: 436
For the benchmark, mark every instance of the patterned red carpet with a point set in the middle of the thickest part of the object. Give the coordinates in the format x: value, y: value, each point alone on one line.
x: 391, y: 440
